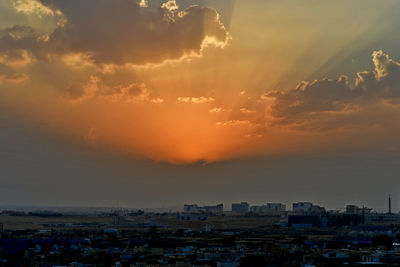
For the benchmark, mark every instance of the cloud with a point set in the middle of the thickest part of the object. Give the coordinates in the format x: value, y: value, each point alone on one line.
x: 32, y: 7
x: 310, y: 100
x: 234, y: 123
x: 77, y: 60
x: 96, y: 88
x: 16, y: 58
x: 247, y: 111
x: 216, y: 110
x: 117, y: 32
x: 78, y: 92
x: 143, y: 3
x: 157, y: 100
x: 16, y: 78
x: 195, y: 100
x: 170, y: 5
x: 134, y: 93
x: 18, y: 32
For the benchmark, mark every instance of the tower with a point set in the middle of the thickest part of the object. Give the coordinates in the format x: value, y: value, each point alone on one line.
x: 390, y: 205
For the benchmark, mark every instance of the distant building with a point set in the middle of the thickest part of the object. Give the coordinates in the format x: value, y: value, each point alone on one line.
x: 258, y: 209
x: 208, y: 228
x: 308, y: 208
x: 315, y: 209
x: 382, y: 217
x: 344, y: 219
x: 121, y: 221
x: 191, y: 217
x: 324, y: 220
x: 193, y: 208
x: 111, y: 231
x: 302, y: 207
x: 276, y: 207
x: 270, y: 208
x: 304, y: 221
x: 353, y: 209
x: 242, y: 207
x: 214, y: 209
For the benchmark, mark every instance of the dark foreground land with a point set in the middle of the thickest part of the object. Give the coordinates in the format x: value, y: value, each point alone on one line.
x: 166, y: 240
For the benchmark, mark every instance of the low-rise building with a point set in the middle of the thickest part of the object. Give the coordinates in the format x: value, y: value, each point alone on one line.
x: 242, y: 207
x: 308, y: 208
x: 353, y: 209
x: 193, y: 208
x: 270, y: 208
x: 302, y: 207
x: 276, y: 207
x: 191, y: 217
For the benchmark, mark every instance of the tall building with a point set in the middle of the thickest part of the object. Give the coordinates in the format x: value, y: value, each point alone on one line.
x: 242, y: 207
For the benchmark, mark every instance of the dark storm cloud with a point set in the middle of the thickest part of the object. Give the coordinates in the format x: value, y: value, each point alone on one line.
x: 311, y: 99
x: 120, y: 32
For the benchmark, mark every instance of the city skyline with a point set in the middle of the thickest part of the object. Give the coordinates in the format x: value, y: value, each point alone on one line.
x: 163, y: 102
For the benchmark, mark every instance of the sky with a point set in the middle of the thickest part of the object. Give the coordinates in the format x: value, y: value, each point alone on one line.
x: 160, y: 103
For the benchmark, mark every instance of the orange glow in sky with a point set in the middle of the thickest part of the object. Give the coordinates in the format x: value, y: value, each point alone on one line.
x: 200, y: 81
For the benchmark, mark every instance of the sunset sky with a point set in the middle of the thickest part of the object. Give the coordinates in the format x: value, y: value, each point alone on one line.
x: 159, y: 103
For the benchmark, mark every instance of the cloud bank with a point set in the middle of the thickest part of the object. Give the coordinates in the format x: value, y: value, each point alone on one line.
x: 116, y: 32
x: 338, y: 97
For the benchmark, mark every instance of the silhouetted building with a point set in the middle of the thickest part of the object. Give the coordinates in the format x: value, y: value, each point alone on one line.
x: 304, y: 221
x: 276, y: 207
x: 353, y: 209
x: 193, y: 208
x: 259, y: 209
x: 242, y: 207
x: 302, y: 207
x: 270, y: 208
x: 344, y: 219
x: 214, y: 209
x: 382, y: 217
x: 325, y: 220
x: 315, y: 209
x: 191, y: 217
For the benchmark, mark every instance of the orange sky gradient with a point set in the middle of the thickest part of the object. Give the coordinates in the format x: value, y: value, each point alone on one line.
x: 203, y: 84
